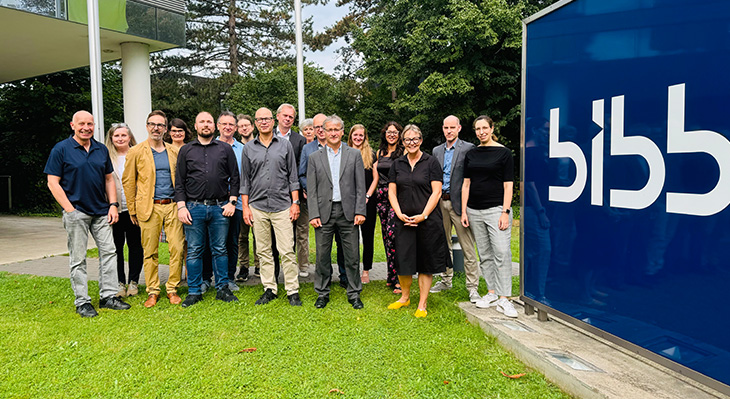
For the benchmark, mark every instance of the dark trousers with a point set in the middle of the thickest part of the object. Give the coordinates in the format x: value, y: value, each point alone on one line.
x: 368, y: 235
x: 123, y: 230
x: 340, y: 257
x: 350, y: 248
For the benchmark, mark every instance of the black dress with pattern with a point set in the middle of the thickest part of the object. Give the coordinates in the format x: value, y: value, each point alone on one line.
x: 420, y: 249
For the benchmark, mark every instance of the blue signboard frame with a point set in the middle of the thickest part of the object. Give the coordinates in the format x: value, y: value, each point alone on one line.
x: 625, y: 176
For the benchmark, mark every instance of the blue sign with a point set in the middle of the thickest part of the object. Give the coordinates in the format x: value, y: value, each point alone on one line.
x: 627, y: 173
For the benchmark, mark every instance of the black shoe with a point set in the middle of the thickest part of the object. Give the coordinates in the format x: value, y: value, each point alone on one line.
x: 191, y: 300
x: 256, y: 272
x: 343, y: 284
x: 356, y: 303
x: 266, y: 297
x: 294, y: 299
x: 242, y: 275
x: 224, y: 294
x: 322, y: 301
x: 86, y: 310
x: 114, y: 303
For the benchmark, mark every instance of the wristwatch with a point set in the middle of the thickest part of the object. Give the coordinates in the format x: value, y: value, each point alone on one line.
x: 114, y: 204
x: 507, y: 211
x: 296, y: 202
x: 234, y: 202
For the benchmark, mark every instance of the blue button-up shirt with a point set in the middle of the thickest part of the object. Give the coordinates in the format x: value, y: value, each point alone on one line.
x: 448, y: 156
x: 82, y: 173
x: 335, y: 159
x: 307, y: 150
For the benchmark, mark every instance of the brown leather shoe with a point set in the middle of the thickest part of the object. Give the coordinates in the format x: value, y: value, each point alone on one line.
x: 174, y: 298
x: 151, y: 300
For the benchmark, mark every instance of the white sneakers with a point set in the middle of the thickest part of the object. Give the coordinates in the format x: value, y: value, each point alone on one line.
x: 303, y: 273
x: 505, y: 306
x: 440, y: 286
x: 487, y: 301
x: 474, y: 295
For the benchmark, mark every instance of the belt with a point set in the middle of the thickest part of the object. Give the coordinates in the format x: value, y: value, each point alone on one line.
x: 164, y: 201
x: 446, y: 196
x: 209, y: 202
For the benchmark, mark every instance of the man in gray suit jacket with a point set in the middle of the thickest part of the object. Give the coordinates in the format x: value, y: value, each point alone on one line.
x: 451, y: 157
x: 336, y: 199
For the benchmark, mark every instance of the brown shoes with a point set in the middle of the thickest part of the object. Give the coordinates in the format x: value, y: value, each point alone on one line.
x: 151, y: 300
x: 174, y: 298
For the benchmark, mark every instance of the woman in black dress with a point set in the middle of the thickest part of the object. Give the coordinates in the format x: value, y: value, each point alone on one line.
x: 414, y: 190
x: 390, y: 149
x: 358, y: 139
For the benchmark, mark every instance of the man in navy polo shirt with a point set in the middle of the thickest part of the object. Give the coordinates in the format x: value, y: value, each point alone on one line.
x: 80, y: 178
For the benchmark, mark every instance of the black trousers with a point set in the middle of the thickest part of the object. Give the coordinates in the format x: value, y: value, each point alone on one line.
x: 125, y: 230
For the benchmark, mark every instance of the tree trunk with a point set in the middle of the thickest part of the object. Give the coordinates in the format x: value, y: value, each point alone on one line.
x: 232, y: 38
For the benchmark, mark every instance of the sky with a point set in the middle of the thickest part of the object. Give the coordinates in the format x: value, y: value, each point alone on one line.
x: 323, y: 17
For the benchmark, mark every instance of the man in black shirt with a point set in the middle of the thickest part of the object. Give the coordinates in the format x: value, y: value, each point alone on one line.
x: 206, y: 192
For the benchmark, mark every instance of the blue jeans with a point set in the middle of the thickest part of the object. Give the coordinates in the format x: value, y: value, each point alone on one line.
x: 208, y: 221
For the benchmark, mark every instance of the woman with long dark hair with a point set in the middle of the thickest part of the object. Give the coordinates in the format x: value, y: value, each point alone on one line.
x: 390, y: 149
x: 178, y: 134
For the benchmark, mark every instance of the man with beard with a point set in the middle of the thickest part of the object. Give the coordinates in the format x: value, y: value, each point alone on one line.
x: 206, y: 194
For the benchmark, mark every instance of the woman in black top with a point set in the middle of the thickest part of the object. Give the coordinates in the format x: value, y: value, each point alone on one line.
x: 358, y: 139
x: 415, y: 182
x: 486, y: 194
x: 390, y: 148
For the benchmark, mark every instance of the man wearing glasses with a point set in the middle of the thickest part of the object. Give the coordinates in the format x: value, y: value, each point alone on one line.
x: 270, y: 194
x: 206, y: 194
x: 336, y: 182
x: 149, y: 185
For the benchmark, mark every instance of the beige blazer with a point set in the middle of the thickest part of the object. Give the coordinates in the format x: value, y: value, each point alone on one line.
x: 139, y: 178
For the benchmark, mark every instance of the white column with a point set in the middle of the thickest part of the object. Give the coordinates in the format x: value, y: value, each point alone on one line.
x: 300, y: 59
x: 136, y: 87
x: 97, y: 102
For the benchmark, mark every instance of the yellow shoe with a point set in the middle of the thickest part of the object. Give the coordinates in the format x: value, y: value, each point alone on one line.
x: 421, y: 313
x: 399, y: 304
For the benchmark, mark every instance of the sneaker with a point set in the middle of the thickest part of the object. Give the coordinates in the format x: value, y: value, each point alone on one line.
x: 191, y: 300
x: 205, y: 286
x: 487, y: 300
x: 122, y: 291
x: 113, y: 303
x: 474, y: 295
x: 294, y: 299
x: 232, y: 286
x: 266, y: 297
x: 242, y: 275
x: 86, y: 310
x: 440, y: 286
x: 256, y: 272
x: 133, y: 289
x: 303, y: 273
x: 505, y: 306
x: 224, y: 294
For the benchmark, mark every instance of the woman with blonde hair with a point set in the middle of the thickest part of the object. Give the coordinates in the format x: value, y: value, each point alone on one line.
x: 119, y: 139
x: 358, y: 139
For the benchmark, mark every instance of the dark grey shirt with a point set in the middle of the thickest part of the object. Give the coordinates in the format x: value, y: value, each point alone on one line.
x: 269, y: 175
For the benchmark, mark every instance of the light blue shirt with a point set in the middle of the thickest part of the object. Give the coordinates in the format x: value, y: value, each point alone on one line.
x: 334, y: 159
x: 307, y: 150
x: 238, y: 150
x: 448, y: 156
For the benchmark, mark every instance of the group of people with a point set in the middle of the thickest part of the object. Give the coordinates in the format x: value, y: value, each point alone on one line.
x: 209, y: 193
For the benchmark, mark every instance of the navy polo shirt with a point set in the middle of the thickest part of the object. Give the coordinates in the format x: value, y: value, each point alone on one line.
x: 83, y: 174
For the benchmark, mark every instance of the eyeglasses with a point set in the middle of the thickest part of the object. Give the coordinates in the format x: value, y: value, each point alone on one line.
x: 118, y: 125
x: 391, y: 132
x: 318, y: 127
x: 153, y: 125
x: 227, y: 124
x: 412, y: 141
x: 264, y: 119
x: 334, y: 130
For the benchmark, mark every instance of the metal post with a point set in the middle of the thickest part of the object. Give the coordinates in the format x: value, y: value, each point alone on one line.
x: 300, y: 59
x: 97, y: 103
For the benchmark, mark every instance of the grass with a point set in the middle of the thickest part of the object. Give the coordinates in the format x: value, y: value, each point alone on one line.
x: 170, y: 352
x: 378, y: 255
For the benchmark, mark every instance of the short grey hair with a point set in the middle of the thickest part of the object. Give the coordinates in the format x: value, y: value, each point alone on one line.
x: 286, y: 105
x: 334, y: 119
x: 306, y: 123
x: 411, y: 128
x: 226, y: 113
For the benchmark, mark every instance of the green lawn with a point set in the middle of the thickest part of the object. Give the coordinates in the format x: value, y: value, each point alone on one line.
x: 170, y: 352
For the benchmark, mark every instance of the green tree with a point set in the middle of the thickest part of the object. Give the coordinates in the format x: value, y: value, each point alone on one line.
x: 35, y: 115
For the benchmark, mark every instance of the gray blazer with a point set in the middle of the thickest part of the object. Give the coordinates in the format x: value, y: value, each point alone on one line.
x: 352, y: 184
x: 461, y: 147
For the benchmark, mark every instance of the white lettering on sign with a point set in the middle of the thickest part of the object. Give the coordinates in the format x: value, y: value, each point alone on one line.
x: 679, y: 141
